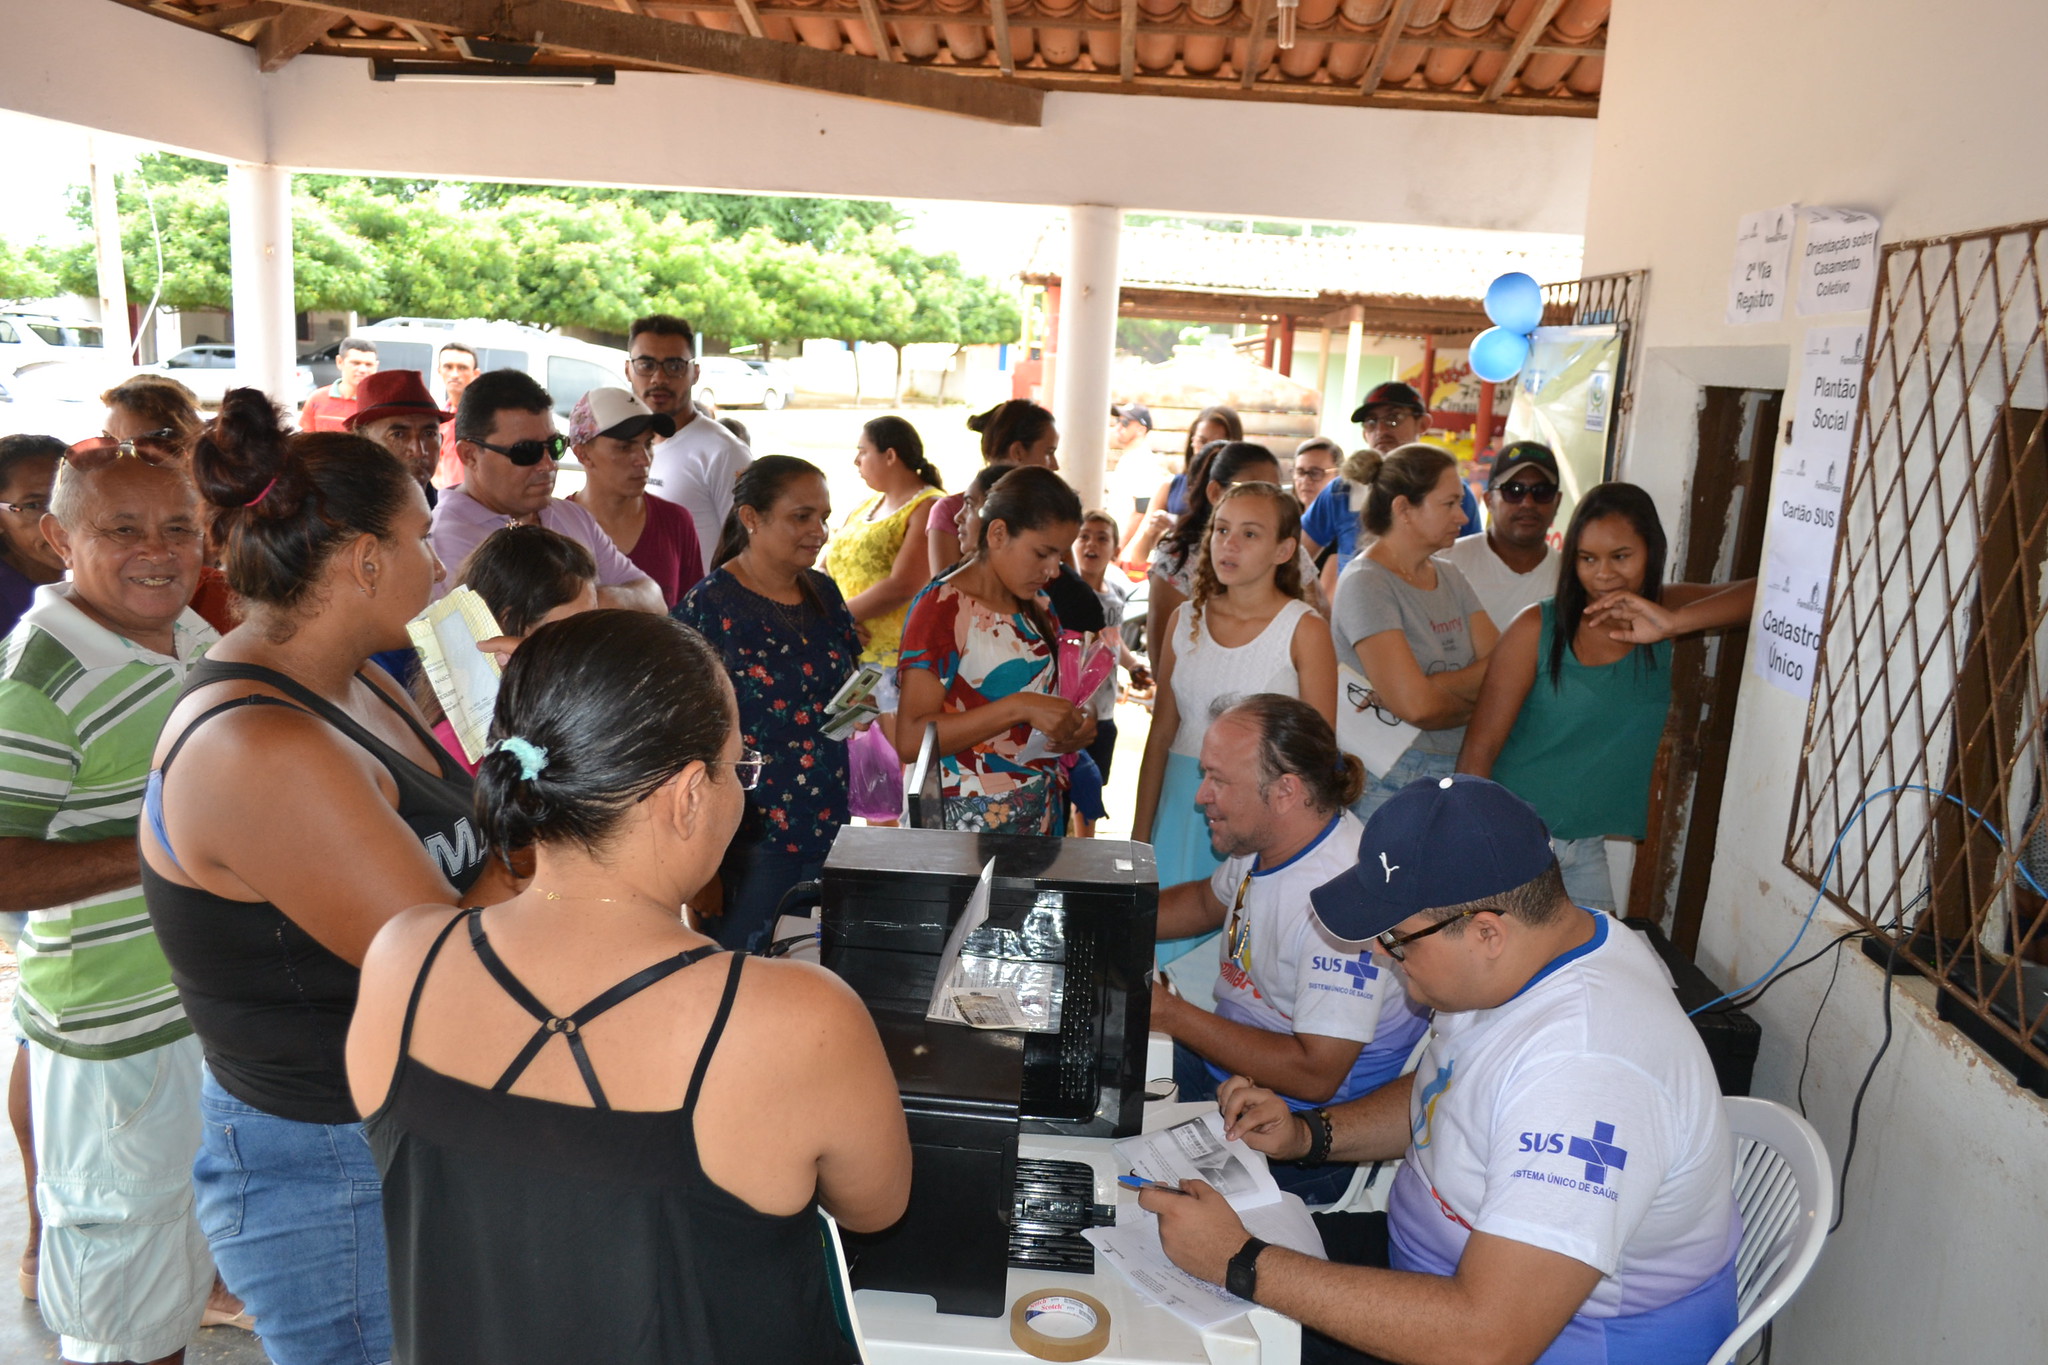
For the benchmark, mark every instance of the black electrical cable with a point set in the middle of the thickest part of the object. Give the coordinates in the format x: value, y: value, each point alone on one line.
x: 1891, y: 962
x: 1806, y: 1052
x: 1745, y: 1002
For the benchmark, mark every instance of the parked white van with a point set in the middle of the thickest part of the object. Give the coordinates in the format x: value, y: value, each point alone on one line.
x: 565, y: 367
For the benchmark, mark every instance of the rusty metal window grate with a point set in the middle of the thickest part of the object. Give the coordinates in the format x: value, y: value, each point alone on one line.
x: 1594, y: 300
x: 1927, y: 707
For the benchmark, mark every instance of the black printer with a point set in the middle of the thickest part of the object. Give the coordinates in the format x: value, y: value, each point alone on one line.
x: 1074, y: 917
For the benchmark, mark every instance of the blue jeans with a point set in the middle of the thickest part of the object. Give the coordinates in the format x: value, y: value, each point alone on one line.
x: 1315, y: 1185
x: 1411, y: 767
x: 294, y: 1214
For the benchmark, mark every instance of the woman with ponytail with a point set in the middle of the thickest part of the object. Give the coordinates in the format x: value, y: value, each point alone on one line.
x: 788, y: 643
x: 1017, y: 432
x: 296, y: 805
x: 878, y: 557
x: 1407, y: 625
x: 981, y: 660
x: 641, y: 1180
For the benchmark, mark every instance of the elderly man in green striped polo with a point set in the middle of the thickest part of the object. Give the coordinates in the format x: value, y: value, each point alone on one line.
x: 86, y: 679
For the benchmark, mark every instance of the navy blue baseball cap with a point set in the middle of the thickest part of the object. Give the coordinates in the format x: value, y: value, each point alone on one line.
x: 1440, y: 841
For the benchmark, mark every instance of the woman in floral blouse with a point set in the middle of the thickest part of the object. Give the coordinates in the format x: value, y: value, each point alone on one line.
x: 788, y: 643
x: 979, y: 659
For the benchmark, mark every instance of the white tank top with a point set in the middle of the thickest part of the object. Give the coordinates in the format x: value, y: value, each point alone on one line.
x: 1204, y: 671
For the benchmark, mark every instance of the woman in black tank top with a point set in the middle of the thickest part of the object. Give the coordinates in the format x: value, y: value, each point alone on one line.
x: 602, y: 1138
x: 297, y: 803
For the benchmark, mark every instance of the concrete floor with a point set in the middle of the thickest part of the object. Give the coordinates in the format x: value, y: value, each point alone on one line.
x: 22, y: 1334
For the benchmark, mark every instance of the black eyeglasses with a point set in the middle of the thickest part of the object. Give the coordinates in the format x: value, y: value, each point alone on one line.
x: 1396, y: 945
x: 1514, y: 490
x: 159, y: 447
x: 528, y: 453
x: 675, y: 367
x: 1361, y: 699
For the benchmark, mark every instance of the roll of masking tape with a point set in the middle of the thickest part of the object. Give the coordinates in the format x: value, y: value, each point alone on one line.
x: 1079, y: 1325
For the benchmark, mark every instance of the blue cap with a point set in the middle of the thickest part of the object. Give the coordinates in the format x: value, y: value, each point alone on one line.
x: 1439, y: 841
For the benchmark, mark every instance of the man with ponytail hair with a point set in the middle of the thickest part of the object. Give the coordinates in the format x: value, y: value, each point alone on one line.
x: 1313, y: 1019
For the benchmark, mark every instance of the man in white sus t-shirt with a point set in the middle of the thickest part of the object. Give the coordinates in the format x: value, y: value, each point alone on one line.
x: 1566, y: 1195
x: 1317, y: 1020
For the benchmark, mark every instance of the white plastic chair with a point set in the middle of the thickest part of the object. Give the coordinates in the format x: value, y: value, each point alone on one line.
x: 1785, y: 1187
x: 1371, y: 1181
x: 839, y: 1269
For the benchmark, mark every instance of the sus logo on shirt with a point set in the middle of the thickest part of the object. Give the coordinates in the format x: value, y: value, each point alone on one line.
x: 1353, y: 973
x: 1598, y: 1154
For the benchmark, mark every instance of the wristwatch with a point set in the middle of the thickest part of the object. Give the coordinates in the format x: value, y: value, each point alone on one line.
x: 1242, y: 1278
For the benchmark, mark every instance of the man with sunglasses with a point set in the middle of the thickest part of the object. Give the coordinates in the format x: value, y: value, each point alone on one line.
x: 1566, y: 1193
x: 700, y: 462
x: 1512, y: 564
x: 505, y: 431
x: 87, y: 678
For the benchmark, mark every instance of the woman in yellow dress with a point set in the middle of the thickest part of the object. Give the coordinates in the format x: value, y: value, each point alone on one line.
x: 878, y: 555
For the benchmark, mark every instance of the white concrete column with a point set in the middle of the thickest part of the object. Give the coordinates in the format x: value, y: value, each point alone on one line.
x: 1337, y: 418
x: 1087, y: 346
x: 260, y: 257
x: 106, y: 231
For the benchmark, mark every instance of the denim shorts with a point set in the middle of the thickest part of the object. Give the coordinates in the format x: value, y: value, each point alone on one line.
x: 295, y: 1216
x: 1410, y: 767
x: 1587, y: 879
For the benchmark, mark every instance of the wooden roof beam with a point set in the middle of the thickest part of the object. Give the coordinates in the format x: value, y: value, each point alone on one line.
x: 750, y: 17
x: 1383, y: 50
x: 1539, y: 23
x: 641, y: 41
x: 1127, y: 41
x: 291, y: 32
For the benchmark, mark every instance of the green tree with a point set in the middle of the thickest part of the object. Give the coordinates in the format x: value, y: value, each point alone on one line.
x: 820, y: 222
x: 22, y: 276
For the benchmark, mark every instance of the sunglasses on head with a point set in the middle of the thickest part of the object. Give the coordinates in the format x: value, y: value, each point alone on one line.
x: 528, y: 453
x: 1514, y: 490
x: 159, y: 447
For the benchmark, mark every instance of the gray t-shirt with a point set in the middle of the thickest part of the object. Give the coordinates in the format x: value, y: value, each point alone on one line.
x: 1437, y: 625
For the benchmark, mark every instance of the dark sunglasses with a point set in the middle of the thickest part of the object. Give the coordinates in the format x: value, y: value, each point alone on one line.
x: 159, y: 447
x: 529, y: 453
x: 1514, y: 490
x: 1396, y: 945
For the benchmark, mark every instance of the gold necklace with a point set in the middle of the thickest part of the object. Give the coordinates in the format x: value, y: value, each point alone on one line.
x: 558, y: 896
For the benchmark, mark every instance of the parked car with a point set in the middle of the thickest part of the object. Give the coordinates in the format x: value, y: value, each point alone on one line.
x: 209, y: 370
x: 566, y: 367
x: 28, y: 339
x: 54, y: 400
x: 727, y: 382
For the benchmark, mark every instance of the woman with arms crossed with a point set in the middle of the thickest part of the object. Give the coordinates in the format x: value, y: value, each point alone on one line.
x: 601, y: 1137
x: 1576, y: 694
x: 1407, y: 621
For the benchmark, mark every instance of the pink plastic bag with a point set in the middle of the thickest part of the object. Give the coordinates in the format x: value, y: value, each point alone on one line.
x: 874, y: 775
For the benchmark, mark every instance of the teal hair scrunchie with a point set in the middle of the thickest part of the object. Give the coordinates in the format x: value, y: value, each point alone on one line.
x: 532, y: 757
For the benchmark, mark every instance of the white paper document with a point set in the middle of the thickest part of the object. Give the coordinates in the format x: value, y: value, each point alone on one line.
x: 993, y: 987
x: 1197, y: 1150
x: 1364, y: 732
x: 1763, y: 256
x: 464, y: 678
x: 1133, y: 1248
x: 1838, y: 261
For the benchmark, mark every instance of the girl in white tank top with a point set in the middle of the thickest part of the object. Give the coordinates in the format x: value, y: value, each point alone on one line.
x: 1245, y: 629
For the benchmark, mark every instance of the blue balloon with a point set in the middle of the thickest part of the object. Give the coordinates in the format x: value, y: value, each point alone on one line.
x: 1496, y: 354
x: 1515, y: 301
